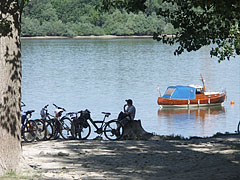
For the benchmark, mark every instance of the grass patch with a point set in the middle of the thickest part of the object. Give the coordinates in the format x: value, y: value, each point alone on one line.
x: 12, y: 175
x: 9, y: 175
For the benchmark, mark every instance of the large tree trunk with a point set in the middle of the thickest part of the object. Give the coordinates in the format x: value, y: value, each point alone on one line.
x: 10, y: 85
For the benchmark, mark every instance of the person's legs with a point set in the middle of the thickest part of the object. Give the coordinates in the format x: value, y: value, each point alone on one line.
x: 124, y: 121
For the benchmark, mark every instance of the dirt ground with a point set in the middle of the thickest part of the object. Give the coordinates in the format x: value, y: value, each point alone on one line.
x: 197, y: 159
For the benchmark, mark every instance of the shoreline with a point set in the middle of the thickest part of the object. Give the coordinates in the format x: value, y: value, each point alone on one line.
x: 89, y: 37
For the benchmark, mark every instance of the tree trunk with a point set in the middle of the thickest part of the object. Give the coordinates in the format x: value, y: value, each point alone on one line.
x: 133, y: 130
x: 10, y: 85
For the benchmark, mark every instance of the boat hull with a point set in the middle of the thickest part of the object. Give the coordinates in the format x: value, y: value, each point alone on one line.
x: 199, y: 101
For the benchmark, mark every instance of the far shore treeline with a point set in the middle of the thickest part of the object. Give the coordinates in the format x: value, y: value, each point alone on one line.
x: 81, y: 18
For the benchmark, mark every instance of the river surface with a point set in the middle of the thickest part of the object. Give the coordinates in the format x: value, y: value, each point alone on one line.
x: 100, y: 74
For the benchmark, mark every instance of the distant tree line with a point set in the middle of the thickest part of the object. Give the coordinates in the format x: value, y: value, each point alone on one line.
x: 81, y: 17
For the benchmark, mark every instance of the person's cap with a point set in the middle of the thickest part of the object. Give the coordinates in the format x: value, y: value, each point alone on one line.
x: 129, y: 101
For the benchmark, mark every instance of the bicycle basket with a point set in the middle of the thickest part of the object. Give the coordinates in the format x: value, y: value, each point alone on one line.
x: 85, y: 114
x: 83, y: 122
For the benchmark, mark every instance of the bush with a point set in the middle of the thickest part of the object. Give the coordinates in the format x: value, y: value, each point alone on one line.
x: 80, y: 17
x: 53, y: 28
x: 30, y: 27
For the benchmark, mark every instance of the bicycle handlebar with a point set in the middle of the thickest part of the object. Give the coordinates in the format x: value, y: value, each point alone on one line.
x: 29, y: 112
x: 45, y: 107
x: 22, y: 104
x: 59, y: 107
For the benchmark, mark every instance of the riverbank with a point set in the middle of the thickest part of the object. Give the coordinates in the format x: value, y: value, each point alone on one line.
x: 88, y: 37
x: 209, y: 158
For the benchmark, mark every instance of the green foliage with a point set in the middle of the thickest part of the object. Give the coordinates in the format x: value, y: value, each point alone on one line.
x: 129, y: 5
x: 81, y: 17
x: 31, y: 27
x: 203, y: 23
x: 153, y: 6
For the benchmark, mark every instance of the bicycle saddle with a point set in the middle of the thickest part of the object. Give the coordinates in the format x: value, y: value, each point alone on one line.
x: 30, y: 112
x: 106, y: 113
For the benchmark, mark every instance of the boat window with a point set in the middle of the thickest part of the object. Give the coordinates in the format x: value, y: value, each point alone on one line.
x: 170, y: 91
x: 199, y: 91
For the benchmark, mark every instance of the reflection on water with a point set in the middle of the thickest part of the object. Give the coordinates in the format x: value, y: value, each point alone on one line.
x: 201, y: 119
x: 200, y: 113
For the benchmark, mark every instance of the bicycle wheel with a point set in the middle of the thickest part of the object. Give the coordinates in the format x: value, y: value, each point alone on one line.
x: 238, y: 128
x: 49, y: 132
x: 81, y: 132
x: 30, y: 131
x: 113, y: 130
x: 54, y: 134
x: 65, y: 128
x: 41, y: 130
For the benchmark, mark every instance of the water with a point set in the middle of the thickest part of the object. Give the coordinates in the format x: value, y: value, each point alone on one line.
x: 99, y: 74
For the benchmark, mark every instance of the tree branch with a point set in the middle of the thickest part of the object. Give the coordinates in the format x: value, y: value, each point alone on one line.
x: 21, y: 5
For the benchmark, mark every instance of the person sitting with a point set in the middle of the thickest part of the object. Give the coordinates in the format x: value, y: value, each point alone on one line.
x: 129, y: 112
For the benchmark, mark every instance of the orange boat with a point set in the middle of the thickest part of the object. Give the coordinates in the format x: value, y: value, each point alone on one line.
x: 190, y: 96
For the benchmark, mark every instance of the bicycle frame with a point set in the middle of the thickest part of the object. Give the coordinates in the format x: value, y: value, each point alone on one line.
x: 99, y: 130
x: 49, y: 116
x: 28, y: 127
x: 112, y: 129
x: 87, y: 116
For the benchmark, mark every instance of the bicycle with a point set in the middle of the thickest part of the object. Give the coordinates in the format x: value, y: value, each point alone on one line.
x: 78, y: 126
x: 60, y: 126
x: 29, y: 126
x: 45, y: 128
x: 113, y: 129
x: 238, y: 128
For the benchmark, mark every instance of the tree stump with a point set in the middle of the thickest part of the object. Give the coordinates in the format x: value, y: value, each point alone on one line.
x: 133, y: 130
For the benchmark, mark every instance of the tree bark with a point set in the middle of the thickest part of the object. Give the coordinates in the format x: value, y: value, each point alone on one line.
x: 133, y: 130
x: 10, y: 85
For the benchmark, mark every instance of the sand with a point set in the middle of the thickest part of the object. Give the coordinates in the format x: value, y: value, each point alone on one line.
x: 206, y: 159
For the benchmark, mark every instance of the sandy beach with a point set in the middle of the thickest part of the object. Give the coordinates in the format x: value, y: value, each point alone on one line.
x: 199, y: 159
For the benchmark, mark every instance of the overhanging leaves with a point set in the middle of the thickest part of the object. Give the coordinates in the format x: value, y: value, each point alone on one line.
x: 198, y: 22
x: 201, y: 23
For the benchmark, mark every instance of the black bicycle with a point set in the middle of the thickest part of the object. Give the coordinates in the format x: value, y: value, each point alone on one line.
x: 113, y: 129
x: 60, y: 125
x: 45, y: 127
x: 29, y: 127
